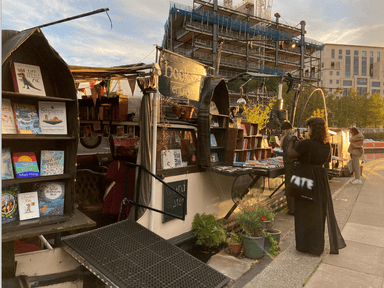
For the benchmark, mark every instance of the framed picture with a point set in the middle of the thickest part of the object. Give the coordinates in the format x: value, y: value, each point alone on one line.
x: 106, y: 131
x: 120, y: 131
x: 131, y: 132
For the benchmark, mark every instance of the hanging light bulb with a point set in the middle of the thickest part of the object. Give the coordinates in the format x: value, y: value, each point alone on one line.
x: 241, y: 101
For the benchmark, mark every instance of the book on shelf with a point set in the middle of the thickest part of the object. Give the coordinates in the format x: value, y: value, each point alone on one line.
x: 213, y: 141
x: 28, y: 205
x: 214, y: 157
x: 120, y: 131
x: 25, y: 164
x: 171, y: 159
x: 251, y: 131
x: 245, y: 143
x: 51, y: 162
x: 244, y: 130
x: 106, y: 131
x: 131, y: 132
x: 9, y: 205
x: 214, y: 122
x: 8, y: 125
x: 27, y: 79
x: 248, y: 155
x: 51, y: 198
x: 53, y: 117
x: 27, y: 119
x: 6, y: 164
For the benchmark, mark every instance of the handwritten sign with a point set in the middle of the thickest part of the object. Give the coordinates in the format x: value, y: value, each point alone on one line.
x: 173, y: 202
x: 180, y: 77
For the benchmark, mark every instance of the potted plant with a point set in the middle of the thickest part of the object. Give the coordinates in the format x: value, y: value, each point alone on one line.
x: 235, y: 243
x: 267, y: 216
x: 208, y: 231
x: 253, y: 237
x: 272, y: 240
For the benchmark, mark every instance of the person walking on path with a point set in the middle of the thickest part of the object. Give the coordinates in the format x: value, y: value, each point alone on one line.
x: 287, y: 133
x: 310, y: 215
x: 356, y: 150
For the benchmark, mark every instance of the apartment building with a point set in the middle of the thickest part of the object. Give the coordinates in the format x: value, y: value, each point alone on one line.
x: 233, y: 39
x: 351, y: 66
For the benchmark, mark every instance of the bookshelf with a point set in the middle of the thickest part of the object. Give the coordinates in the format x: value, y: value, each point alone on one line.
x: 245, y: 144
x: 31, y: 47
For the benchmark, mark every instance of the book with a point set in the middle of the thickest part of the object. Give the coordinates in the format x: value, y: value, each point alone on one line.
x: 214, y: 157
x: 51, y: 162
x: 9, y: 206
x: 171, y: 159
x: 244, y: 130
x: 25, y: 164
x: 51, y: 198
x: 106, y: 131
x: 28, y: 205
x: 6, y: 164
x: 27, y: 119
x: 53, y: 117
x: 8, y: 125
x: 215, y: 122
x: 120, y: 131
x: 213, y: 141
x: 27, y: 79
x: 131, y: 132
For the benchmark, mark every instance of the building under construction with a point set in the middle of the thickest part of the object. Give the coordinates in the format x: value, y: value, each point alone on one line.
x: 234, y: 39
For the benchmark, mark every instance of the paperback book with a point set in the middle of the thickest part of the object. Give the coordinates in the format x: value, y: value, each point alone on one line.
x: 51, y: 198
x: 25, y: 164
x: 27, y: 79
x: 213, y: 141
x: 53, y: 117
x: 8, y: 125
x: 27, y: 119
x: 6, y: 164
x: 28, y: 205
x: 9, y: 207
x: 51, y: 162
x: 171, y: 159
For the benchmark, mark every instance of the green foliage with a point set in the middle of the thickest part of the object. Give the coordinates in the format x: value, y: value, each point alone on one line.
x: 234, y: 238
x: 258, y: 113
x: 374, y: 136
x: 251, y: 221
x: 267, y: 213
x: 274, y: 250
x: 208, y: 231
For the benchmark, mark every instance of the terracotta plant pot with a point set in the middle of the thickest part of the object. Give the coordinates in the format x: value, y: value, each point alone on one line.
x: 234, y: 248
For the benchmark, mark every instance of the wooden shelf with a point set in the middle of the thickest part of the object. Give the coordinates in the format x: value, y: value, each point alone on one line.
x: 218, y: 128
x: 220, y: 115
x: 217, y: 147
x: 36, y: 137
x: 42, y: 98
x: 36, y: 179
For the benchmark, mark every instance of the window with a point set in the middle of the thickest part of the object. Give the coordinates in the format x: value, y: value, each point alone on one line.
x: 348, y: 52
x: 330, y: 89
x: 318, y: 54
x: 375, y: 84
x: 375, y: 91
x: 330, y: 81
x: 340, y: 56
x: 378, y: 56
x: 355, y: 65
x: 364, y: 66
x: 340, y: 52
x: 356, y: 53
x: 333, y: 53
x: 337, y: 73
x: 362, y: 81
x: 371, y: 66
x: 347, y: 66
x: 346, y: 92
x: 330, y: 72
x: 364, y: 53
x: 371, y: 54
x: 322, y: 65
x: 337, y: 81
x: 361, y: 91
x: 323, y: 53
x: 332, y: 65
x: 322, y: 74
x: 347, y: 83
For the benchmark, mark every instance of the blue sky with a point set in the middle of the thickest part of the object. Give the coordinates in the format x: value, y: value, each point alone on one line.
x: 138, y: 25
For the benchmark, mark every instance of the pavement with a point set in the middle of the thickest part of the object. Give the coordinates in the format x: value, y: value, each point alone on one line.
x: 359, y: 211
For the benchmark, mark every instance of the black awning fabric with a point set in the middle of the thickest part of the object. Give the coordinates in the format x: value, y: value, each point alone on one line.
x: 126, y: 254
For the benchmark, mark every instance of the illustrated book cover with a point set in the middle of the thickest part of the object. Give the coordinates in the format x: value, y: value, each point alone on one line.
x: 27, y: 79
x: 6, y: 164
x: 51, y: 198
x: 28, y: 205
x: 9, y: 207
x: 8, y: 125
x: 27, y: 119
x: 213, y: 141
x: 53, y: 117
x: 171, y: 159
x: 51, y: 162
x: 25, y: 164
x: 214, y: 157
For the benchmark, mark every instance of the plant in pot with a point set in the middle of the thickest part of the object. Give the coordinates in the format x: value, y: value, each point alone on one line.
x: 272, y: 240
x: 208, y: 231
x: 235, y: 243
x: 253, y: 237
x: 267, y: 216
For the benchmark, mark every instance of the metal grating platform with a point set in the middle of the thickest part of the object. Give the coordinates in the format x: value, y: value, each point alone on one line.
x: 126, y: 254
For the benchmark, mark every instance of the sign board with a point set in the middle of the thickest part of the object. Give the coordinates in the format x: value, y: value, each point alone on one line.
x: 173, y: 202
x: 180, y: 77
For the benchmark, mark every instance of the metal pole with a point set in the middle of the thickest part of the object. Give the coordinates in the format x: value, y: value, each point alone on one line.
x: 71, y: 18
x: 277, y: 15
x: 215, y: 56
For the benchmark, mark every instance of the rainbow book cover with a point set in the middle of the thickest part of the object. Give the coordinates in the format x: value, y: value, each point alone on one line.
x: 51, y: 198
x: 27, y: 119
x: 9, y: 209
x: 25, y: 164
x: 51, y: 162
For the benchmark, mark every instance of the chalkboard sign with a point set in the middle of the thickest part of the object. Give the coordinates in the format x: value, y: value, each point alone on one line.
x: 173, y: 202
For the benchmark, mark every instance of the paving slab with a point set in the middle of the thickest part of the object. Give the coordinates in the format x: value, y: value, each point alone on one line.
x: 330, y: 276
x: 359, y: 257
x: 370, y: 214
x: 365, y: 234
